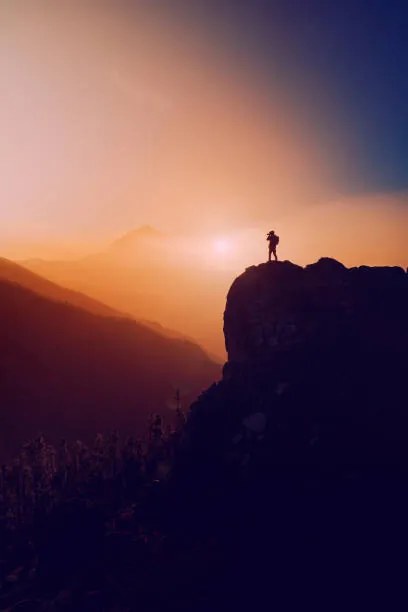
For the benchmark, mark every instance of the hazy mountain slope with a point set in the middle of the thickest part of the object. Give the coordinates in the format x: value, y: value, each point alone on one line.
x: 10, y: 271
x: 67, y: 372
x: 13, y: 272
x: 143, y: 273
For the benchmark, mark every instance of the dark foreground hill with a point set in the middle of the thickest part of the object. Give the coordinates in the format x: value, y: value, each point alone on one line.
x: 289, y: 482
x: 298, y: 458
x: 66, y: 372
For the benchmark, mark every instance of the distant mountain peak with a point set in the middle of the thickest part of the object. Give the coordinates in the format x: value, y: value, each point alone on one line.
x: 133, y: 238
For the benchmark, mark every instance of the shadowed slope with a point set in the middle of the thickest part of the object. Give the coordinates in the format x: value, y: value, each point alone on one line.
x: 67, y: 372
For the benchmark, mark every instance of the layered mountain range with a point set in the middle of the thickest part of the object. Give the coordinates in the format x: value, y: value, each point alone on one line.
x: 71, y: 366
x: 148, y: 274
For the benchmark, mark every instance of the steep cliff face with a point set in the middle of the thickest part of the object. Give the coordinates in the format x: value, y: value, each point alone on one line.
x: 316, y: 365
x: 297, y: 460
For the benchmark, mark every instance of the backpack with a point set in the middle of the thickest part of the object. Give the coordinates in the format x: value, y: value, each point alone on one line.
x: 273, y: 238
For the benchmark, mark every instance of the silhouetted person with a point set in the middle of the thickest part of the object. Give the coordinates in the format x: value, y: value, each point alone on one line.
x: 273, y: 241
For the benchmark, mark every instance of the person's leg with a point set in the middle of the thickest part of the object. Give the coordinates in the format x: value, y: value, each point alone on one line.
x: 274, y: 252
x: 270, y: 253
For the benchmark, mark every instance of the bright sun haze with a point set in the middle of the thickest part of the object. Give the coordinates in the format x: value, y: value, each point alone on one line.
x: 138, y: 117
x: 206, y: 122
x: 222, y: 245
x: 120, y: 114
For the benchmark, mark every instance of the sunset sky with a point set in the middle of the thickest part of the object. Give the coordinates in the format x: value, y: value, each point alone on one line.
x: 212, y: 119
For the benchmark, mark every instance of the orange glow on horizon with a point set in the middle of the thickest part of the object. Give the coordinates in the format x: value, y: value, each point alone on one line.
x: 115, y: 117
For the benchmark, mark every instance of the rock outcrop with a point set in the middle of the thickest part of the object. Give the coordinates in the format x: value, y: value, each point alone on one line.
x: 280, y: 307
x: 298, y: 459
x: 320, y: 352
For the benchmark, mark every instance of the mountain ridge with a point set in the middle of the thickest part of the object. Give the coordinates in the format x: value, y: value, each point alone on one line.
x: 150, y: 280
x: 69, y: 373
x: 17, y: 273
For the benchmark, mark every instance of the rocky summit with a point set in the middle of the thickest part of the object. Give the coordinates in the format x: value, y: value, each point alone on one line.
x: 279, y: 308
